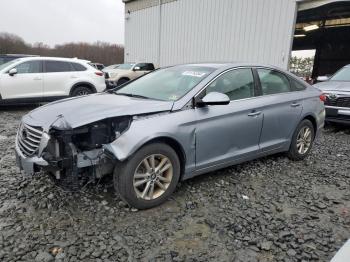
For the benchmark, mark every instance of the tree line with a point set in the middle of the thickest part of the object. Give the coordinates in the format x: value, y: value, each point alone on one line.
x: 99, y: 52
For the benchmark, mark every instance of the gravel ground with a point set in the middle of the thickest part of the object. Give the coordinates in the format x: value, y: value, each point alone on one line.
x: 271, y: 209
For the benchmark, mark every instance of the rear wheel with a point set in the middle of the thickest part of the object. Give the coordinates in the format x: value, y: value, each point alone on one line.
x: 81, y: 91
x: 302, y: 140
x: 149, y: 177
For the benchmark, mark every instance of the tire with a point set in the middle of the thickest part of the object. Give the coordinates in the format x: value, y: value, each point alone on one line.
x: 125, y: 181
x: 296, y: 152
x: 81, y: 91
x: 122, y: 81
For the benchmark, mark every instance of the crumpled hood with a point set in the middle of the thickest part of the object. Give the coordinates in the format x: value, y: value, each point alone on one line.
x: 333, y: 86
x: 79, y: 111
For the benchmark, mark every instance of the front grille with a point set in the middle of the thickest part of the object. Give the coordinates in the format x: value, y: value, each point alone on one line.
x: 29, y: 138
x: 339, y: 102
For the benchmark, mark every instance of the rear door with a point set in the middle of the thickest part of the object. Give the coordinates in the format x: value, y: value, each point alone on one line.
x: 27, y: 83
x: 225, y: 133
x: 58, y: 78
x: 281, y: 108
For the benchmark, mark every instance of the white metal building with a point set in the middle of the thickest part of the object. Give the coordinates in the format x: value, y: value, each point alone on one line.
x: 168, y: 32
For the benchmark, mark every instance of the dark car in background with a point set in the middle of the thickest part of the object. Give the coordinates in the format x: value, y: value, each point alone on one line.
x: 98, y: 66
x: 337, y: 96
x: 9, y: 57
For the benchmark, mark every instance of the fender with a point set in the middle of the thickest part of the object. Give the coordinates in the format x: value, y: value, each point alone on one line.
x: 167, y: 125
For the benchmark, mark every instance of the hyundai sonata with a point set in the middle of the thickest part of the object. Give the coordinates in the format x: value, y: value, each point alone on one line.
x: 170, y: 125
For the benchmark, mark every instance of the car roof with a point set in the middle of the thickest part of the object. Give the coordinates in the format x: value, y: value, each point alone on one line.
x: 224, y: 65
x: 53, y: 58
x: 17, y: 55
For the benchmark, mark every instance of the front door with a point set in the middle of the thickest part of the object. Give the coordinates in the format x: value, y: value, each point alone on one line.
x: 226, y: 133
x: 27, y: 83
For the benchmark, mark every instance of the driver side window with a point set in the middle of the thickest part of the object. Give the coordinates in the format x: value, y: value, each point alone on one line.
x: 30, y: 67
x: 236, y: 84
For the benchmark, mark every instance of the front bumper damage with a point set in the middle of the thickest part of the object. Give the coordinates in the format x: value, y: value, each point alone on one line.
x: 29, y: 165
x: 59, y: 153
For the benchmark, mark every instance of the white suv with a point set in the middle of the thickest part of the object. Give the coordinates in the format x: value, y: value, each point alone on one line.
x: 41, y: 79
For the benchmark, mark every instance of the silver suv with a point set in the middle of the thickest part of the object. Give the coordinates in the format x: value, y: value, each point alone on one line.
x: 170, y: 125
x: 337, y: 96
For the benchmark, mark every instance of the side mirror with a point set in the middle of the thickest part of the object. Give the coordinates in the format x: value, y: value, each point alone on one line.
x: 322, y: 78
x: 137, y: 68
x: 13, y: 71
x: 214, y: 98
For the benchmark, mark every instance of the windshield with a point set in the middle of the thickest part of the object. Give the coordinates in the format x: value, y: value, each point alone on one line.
x: 125, y: 66
x: 167, y: 84
x: 8, y: 64
x: 342, y: 75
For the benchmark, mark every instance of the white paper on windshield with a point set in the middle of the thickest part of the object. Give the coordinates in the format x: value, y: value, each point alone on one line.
x: 193, y: 73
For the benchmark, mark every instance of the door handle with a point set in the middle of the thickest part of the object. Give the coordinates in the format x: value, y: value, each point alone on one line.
x: 295, y: 104
x: 37, y: 78
x: 254, y: 113
x: 73, y: 77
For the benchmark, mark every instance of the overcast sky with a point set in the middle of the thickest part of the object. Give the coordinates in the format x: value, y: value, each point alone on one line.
x: 60, y: 21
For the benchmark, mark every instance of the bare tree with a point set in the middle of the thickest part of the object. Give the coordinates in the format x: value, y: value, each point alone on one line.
x: 100, y: 52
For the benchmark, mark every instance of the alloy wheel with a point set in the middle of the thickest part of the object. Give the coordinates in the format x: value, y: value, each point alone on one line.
x: 83, y: 93
x: 304, y: 140
x: 152, y: 176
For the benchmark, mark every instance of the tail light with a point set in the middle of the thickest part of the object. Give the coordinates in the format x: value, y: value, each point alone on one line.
x: 99, y: 73
x: 323, y: 98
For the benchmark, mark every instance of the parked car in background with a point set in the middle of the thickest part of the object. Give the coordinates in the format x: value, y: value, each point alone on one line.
x: 337, y: 95
x: 40, y: 79
x: 170, y: 125
x: 126, y: 72
x: 98, y: 66
x: 110, y: 68
x: 8, y: 57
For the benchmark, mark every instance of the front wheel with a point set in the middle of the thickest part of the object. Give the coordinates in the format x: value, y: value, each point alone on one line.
x: 302, y: 140
x: 149, y: 177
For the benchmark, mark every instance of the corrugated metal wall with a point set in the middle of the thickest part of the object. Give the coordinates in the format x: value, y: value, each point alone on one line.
x: 207, y: 30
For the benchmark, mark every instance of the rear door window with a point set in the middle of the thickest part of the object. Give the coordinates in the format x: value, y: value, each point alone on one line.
x: 78, y: 67
x: 296, y: 86
x: 57, y: 66
x: 273, y: 82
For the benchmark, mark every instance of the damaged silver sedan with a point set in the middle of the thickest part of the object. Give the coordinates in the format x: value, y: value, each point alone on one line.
x: 171, y: 125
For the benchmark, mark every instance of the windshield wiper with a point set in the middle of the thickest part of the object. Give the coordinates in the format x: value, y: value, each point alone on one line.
x: 133, y: 95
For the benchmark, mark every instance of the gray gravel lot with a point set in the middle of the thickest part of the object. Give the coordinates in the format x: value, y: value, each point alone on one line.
x: 271, y: 209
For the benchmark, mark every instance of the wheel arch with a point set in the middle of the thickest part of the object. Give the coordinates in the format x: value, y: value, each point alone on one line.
x: 174, y: 144
x: 87, y: 84
x: 312, y: 119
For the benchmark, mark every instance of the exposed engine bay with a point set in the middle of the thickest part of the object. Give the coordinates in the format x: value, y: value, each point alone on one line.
x: 75, y: 153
